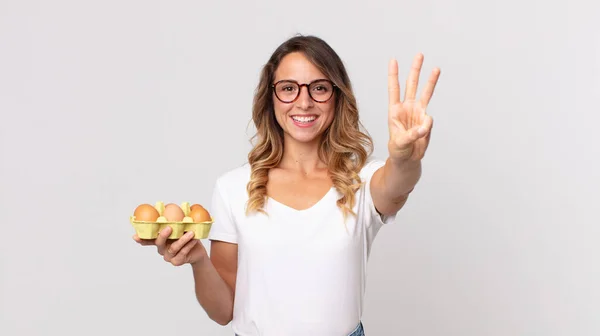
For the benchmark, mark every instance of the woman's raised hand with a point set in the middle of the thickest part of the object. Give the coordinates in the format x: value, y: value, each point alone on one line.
x: 408, y: 121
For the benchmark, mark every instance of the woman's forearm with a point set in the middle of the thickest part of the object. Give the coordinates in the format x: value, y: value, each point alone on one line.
x: 400, y: 178
x: 212, y: 292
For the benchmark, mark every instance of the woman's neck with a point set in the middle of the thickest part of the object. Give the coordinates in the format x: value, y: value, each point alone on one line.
x: 302, y: 157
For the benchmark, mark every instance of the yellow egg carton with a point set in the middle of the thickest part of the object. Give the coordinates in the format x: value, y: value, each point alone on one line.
x: 150, y: 230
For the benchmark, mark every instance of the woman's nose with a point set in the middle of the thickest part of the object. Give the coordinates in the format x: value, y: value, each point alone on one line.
x: 304, y: 99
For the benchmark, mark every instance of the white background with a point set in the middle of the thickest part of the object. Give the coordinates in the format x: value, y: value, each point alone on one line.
x: 108, y: 104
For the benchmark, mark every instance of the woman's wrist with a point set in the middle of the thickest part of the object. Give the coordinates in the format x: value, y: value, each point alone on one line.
x: 202, y: 261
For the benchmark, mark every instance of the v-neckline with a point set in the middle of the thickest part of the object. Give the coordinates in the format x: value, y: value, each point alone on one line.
x: 314, y: 206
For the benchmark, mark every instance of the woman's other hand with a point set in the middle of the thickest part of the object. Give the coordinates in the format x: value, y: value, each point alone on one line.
x: 184, y: 250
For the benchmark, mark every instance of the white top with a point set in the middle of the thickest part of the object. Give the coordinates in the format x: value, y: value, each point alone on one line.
x: 299, y: 271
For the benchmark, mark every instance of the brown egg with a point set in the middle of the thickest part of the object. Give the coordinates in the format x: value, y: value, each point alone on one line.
x: 146, y: 213
x: 194, y: 206
x: 199, y: 214
x: 173, y: 213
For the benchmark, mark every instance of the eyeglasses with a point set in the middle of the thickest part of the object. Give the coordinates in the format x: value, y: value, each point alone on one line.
x: 320, y: 90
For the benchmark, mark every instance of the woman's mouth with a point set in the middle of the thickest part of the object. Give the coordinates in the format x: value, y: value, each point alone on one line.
x: 304, y: 120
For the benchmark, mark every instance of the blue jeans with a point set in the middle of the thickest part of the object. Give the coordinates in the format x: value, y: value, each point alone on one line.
x: 359, y: 331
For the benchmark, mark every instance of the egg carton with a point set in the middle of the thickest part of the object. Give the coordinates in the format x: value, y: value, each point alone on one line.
x: 150, y: 230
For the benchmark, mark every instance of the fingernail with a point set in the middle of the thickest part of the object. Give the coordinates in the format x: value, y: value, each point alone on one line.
x: 421, y: 131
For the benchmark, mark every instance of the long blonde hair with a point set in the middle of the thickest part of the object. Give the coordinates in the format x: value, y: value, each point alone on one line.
x: 345, y: 147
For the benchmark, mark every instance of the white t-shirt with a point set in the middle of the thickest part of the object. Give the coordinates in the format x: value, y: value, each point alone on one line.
x: 300, y: 272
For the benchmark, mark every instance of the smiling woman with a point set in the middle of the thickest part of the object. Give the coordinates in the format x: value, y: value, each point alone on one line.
x: 294, y: 226
x: 302, y: 117
x: 288, y: 91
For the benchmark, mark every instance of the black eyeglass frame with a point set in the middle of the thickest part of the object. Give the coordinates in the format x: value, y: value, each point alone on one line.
x: 333, y: 86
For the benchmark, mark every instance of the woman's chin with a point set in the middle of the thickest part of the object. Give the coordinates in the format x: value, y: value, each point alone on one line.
x: 303, y: 137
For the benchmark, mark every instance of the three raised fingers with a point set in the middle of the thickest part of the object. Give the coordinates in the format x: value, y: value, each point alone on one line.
x: 412, y: 82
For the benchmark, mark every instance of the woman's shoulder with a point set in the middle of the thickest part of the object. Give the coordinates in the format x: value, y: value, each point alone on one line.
x: 235, y: 177
x: 371, y: 165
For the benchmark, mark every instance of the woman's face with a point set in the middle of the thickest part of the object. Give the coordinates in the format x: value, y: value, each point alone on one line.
x: 304, y: 120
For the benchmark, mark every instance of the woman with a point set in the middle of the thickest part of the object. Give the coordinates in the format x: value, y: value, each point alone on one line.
x: 294, y: 226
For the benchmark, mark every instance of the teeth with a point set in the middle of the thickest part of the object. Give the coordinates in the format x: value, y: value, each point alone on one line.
x: 304, y: 119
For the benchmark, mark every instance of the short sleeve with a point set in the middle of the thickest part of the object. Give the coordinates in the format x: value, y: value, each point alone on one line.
x: 224, y: 227
x: 372, y: 216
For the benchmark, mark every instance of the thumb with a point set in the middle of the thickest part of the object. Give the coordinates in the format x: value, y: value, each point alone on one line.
x: 405, y: 140
x: 419, y: 131
x: 415, y: 133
